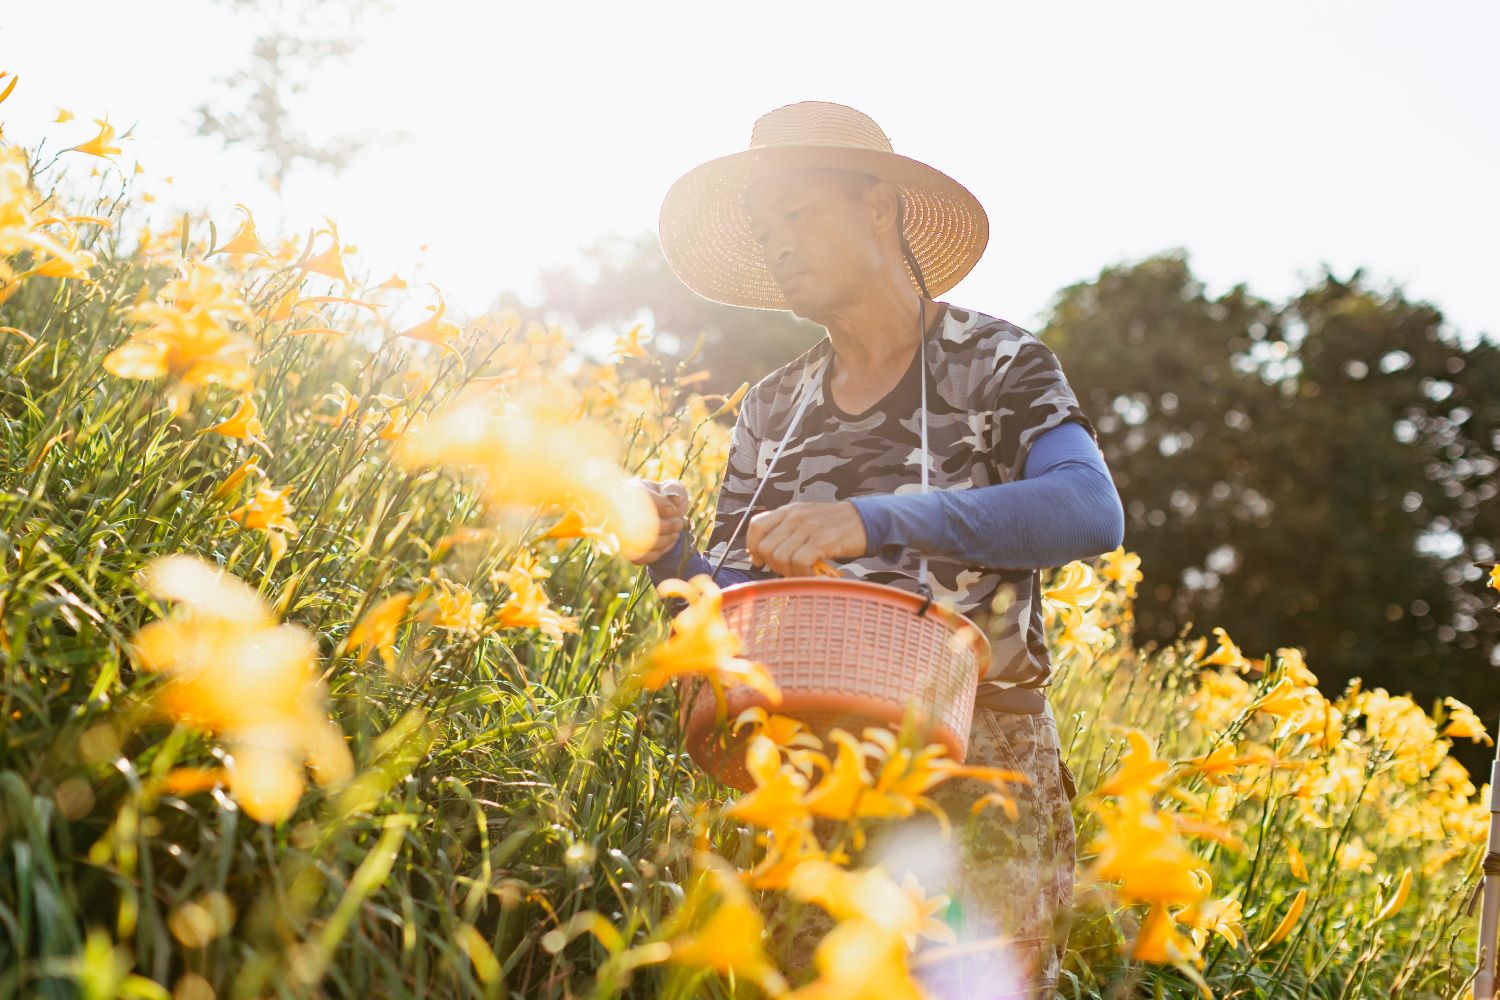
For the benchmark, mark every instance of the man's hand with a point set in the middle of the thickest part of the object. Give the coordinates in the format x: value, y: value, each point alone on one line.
x: 789, y: 539
x: 671, y: 509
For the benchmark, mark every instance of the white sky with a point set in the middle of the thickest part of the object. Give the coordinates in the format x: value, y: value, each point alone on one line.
x: 1263, y: 138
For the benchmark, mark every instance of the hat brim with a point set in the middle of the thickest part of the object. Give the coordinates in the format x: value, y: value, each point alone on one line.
x: 706, y: 238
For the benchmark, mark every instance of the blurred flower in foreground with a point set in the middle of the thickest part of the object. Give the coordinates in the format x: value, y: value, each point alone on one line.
x: 1463, y: 723
x: 533, y: 452
x: 729, y: 939
x: 188, y: 337
x: 234, y: 671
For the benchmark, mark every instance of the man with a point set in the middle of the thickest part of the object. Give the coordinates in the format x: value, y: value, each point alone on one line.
x: 819, y: 216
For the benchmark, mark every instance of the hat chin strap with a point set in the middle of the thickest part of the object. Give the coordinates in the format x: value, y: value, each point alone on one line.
x: 813, y: 379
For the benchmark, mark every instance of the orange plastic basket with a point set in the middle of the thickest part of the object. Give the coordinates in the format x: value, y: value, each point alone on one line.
x: 845, y: 653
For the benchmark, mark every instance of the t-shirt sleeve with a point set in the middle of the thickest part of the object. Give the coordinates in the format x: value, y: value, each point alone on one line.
x: 734, y: 494
x: 1032, y: 398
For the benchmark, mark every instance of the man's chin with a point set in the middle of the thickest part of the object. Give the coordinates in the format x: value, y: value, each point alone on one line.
x: 799, y: 300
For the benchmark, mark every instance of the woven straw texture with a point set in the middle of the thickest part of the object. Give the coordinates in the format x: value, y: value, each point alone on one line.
x: 705, y: 231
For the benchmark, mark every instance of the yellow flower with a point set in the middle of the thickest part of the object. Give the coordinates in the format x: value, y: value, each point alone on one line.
x: 1463, y: 723
x: 377, y: 629
x: 1140, y: 848
x: 1139, y: 771
x: 330, y: 262
x: 241, y: 472
x: 782, y: 730
x: 729, y: 941
x: 1295, y: 667
x: 533, y: 451
x: 268, y: 511
x: 629, y: 345
x: 20, y: 227
x: 99, y: 144
x: 788, y: 847
x: 776, y: 803
x: 63, y: 115
x: 435, y: 329
x: 234, y: 671
x: 186, y: 337
x: 701, y: 643
x: 1288, y: 921
x: 454, y: 607
x: 1227, y: 654
x: 244, y: 423
x: 1222, y: 695
x: 860, y: 960
x: 872, y: 895
x: 1397, y: 898
x: 1353, y: 855
x: 1078, y: 588
x: 527, y: 605
x: 571, y: 525
x: 244, y: 239
x: 1123, y: 568
x: 1218, y: 916
x: 1159, y: 941
x: 1295, y: 862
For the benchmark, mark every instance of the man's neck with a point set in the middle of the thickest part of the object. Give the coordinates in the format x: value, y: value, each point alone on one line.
x: 878, y: 332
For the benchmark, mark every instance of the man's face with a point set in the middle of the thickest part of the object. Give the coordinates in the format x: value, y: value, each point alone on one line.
x: 814, y: 227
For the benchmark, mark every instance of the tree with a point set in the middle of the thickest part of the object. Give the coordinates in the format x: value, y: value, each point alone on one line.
x: 291, y: 42
x: 1319, y: 474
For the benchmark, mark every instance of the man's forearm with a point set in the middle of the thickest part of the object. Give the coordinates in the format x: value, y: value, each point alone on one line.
x: 1066, y: 508
x: 1070, y: 513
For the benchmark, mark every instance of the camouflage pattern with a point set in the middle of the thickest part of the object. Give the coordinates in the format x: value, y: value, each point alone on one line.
x: 993, y: 389
x: 1005, y: 877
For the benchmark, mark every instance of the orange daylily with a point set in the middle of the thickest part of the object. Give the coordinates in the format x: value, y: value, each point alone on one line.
x: 187, y: 337
x: 377, y: 629
x: 435, y: 329
x: 527, y: 605
x: 730, y: 940
x: 99, y: 145
x: 331, y: 261
x: 533, y: 451
x: 702, y: 643
x: 244, y: 240
x: 268, y: 511
x: 244, y: 423
x: 232, y: 669
x: 1139, y: 771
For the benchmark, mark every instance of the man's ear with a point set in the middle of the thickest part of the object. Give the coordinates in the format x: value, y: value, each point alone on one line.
x: 884, y: 199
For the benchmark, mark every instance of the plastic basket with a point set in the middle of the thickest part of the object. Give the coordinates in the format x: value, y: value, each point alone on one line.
x: 845, y: 653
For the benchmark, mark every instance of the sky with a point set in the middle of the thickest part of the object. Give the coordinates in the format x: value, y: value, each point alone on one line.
x: 1266, y: 140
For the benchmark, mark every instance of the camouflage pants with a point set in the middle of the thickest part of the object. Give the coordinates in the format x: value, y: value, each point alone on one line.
x: 1006, y: 878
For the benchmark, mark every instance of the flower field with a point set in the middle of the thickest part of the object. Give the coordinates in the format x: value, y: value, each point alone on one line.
x: 325, y: 672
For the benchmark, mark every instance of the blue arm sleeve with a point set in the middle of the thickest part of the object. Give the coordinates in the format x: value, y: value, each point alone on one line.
x: 1065, y: 507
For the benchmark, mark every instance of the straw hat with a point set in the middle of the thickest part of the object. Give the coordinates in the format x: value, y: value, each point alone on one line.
x: 705, y: 230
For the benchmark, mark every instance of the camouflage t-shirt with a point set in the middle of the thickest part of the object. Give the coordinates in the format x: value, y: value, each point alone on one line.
x: 993, y: 389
